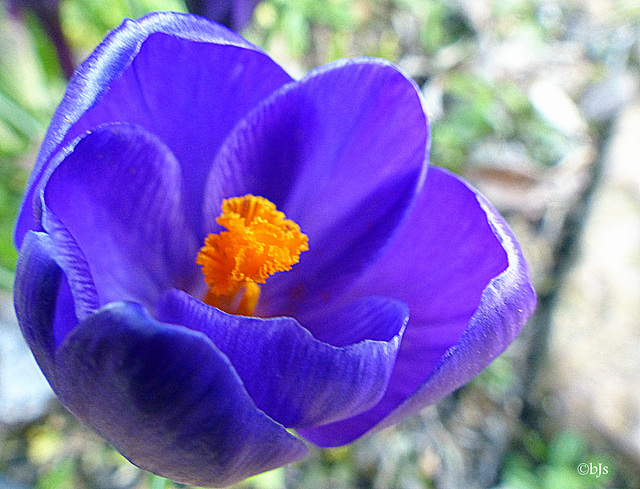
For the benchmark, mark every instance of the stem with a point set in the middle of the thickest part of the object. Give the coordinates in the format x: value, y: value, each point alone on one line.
x: 50, y: 20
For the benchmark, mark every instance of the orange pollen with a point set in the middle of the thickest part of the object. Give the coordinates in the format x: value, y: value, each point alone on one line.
x: 259, y: 242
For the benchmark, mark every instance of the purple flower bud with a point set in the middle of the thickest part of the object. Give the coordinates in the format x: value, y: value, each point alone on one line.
x: 235, y: 14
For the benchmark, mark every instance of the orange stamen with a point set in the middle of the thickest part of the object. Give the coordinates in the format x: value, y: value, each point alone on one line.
x: 259, y: 242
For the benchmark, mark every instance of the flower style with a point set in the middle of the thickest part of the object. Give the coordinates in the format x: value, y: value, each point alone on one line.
x: 235, y: 14
x: 213, y: 254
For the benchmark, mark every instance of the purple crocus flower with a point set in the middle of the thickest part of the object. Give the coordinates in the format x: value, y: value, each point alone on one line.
x: 235, y: 14
x: 181, y: 149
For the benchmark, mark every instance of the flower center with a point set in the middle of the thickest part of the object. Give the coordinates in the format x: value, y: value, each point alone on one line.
x: 259, y: 242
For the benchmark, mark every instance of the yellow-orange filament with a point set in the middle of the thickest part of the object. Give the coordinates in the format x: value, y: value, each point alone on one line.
x: 259, y: 242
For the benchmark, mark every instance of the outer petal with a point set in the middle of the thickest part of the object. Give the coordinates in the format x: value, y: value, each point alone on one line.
x: 120, y: 233
x: 462, y: 273
x: 343, y: 153
x: 294, y: 378
x: 38, y: 278
x: 167, y: 399
x: 182, y: 77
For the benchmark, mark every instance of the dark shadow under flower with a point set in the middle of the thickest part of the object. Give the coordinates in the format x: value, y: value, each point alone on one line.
x: 412, y: 282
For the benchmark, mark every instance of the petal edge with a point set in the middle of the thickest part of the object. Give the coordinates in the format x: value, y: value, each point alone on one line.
x: 167, y: 399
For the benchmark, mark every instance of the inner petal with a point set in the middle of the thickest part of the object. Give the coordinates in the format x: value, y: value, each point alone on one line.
x: 294, y: 378
x: 343, y: 153
x: 126, y: 221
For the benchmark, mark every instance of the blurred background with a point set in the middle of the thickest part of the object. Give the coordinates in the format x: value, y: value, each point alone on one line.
x: 537, y: 103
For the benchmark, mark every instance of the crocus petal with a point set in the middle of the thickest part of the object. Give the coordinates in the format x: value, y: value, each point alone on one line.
x: 172, y: 74
x: 167, y: 399
x: 342, y: 153
x: 37, y: 280
x: 367, y: 318
x: 68, y: 255
x: 469, y: 292
x: 127, y: 217
x: 291, y: 376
